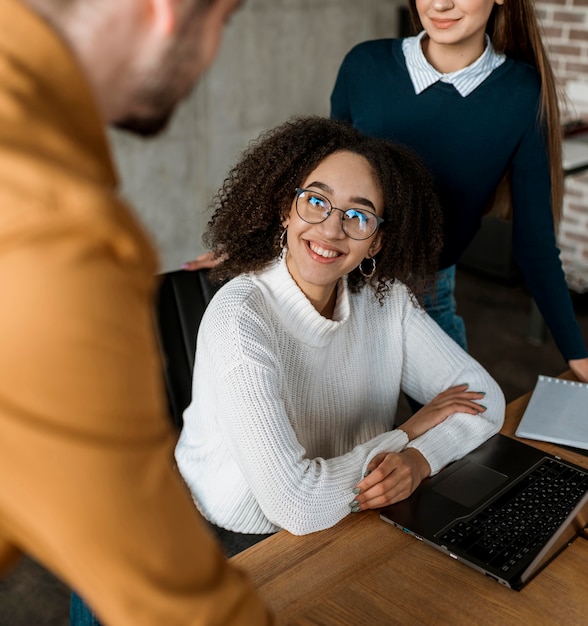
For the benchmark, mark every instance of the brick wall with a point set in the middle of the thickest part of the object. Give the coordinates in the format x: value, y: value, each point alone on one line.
x: 565, y: 24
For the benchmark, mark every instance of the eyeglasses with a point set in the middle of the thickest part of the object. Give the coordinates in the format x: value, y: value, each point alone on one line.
x: 314, y: 208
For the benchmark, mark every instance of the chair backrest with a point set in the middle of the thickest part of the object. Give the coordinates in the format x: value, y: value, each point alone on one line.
x: 183, y: 296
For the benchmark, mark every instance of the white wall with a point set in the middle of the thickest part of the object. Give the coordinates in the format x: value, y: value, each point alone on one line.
x: 278, y: 58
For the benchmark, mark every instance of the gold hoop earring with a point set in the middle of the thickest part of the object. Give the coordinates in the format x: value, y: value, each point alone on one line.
x: 283, y: 239
x: 365, y: 274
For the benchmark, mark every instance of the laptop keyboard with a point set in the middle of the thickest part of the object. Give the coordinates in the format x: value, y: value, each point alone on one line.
x: 519, y: 523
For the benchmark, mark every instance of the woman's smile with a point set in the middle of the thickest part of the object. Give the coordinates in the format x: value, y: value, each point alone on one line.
x: 324, y: 253
x: 443, y: 24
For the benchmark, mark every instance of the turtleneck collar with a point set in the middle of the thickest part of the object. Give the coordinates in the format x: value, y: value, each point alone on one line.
x: 296, y: 311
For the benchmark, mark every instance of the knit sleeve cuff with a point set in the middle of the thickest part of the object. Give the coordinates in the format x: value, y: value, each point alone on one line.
x: 393, y: 441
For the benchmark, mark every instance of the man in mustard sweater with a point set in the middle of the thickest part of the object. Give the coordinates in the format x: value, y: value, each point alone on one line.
x: 88, y: 485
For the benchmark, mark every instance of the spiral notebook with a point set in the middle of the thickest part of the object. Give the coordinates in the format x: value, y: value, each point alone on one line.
x: 557, y: 412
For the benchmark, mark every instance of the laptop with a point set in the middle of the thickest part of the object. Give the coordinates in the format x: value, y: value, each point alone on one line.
x: 506, y: 509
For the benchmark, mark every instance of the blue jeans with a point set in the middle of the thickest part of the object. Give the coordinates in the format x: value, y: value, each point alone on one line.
x: 442, y: 308
x: 79, y: 612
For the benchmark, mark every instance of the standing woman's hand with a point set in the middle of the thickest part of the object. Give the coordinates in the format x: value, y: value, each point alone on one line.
x: 580, y: 368
x: 204, y: 261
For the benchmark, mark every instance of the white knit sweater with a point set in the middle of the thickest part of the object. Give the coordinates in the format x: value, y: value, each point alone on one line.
x: 289, y: 407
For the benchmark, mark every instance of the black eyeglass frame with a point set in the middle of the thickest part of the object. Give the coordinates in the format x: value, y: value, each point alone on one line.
x: 379, y: 220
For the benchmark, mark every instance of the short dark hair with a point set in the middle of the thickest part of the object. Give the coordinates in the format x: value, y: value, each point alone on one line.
x: 258, y: 191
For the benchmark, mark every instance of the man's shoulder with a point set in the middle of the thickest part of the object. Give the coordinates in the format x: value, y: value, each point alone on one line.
x: 45, y: 206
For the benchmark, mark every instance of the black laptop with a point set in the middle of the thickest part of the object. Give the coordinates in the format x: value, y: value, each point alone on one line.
x: 506, y: 509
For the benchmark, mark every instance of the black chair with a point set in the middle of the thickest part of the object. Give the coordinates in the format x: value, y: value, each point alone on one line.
x: 182, y: 298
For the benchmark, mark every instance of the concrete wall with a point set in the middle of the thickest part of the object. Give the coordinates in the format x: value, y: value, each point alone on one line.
x: 278, y: 58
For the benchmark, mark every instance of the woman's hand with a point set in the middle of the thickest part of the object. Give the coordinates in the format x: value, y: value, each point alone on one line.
x: 453, y: 400
x: 204, y: 261
x: 580, y: 368
x: 393, y: 477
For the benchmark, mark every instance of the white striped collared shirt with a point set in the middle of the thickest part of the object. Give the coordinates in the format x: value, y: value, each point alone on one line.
x: 465, y: 80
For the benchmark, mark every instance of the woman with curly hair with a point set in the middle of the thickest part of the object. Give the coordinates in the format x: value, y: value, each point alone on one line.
x: 329, y: 239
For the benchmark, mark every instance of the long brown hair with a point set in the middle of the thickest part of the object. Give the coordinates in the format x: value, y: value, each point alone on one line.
x: 514, y: 30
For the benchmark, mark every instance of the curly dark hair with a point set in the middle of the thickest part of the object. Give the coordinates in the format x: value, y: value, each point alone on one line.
x: 257, y: 194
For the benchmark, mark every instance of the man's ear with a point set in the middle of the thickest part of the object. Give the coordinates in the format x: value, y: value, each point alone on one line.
x: 163, y: 15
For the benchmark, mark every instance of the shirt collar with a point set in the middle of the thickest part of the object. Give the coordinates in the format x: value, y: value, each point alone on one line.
x: 465, y: 80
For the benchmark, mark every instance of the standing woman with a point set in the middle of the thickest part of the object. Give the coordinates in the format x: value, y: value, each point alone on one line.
x: 474, y: 95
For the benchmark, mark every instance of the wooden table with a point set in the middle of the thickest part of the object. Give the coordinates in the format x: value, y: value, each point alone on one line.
x: 366, y: 572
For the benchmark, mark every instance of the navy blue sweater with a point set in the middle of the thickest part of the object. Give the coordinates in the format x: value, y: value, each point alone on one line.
x: 468, y: 144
